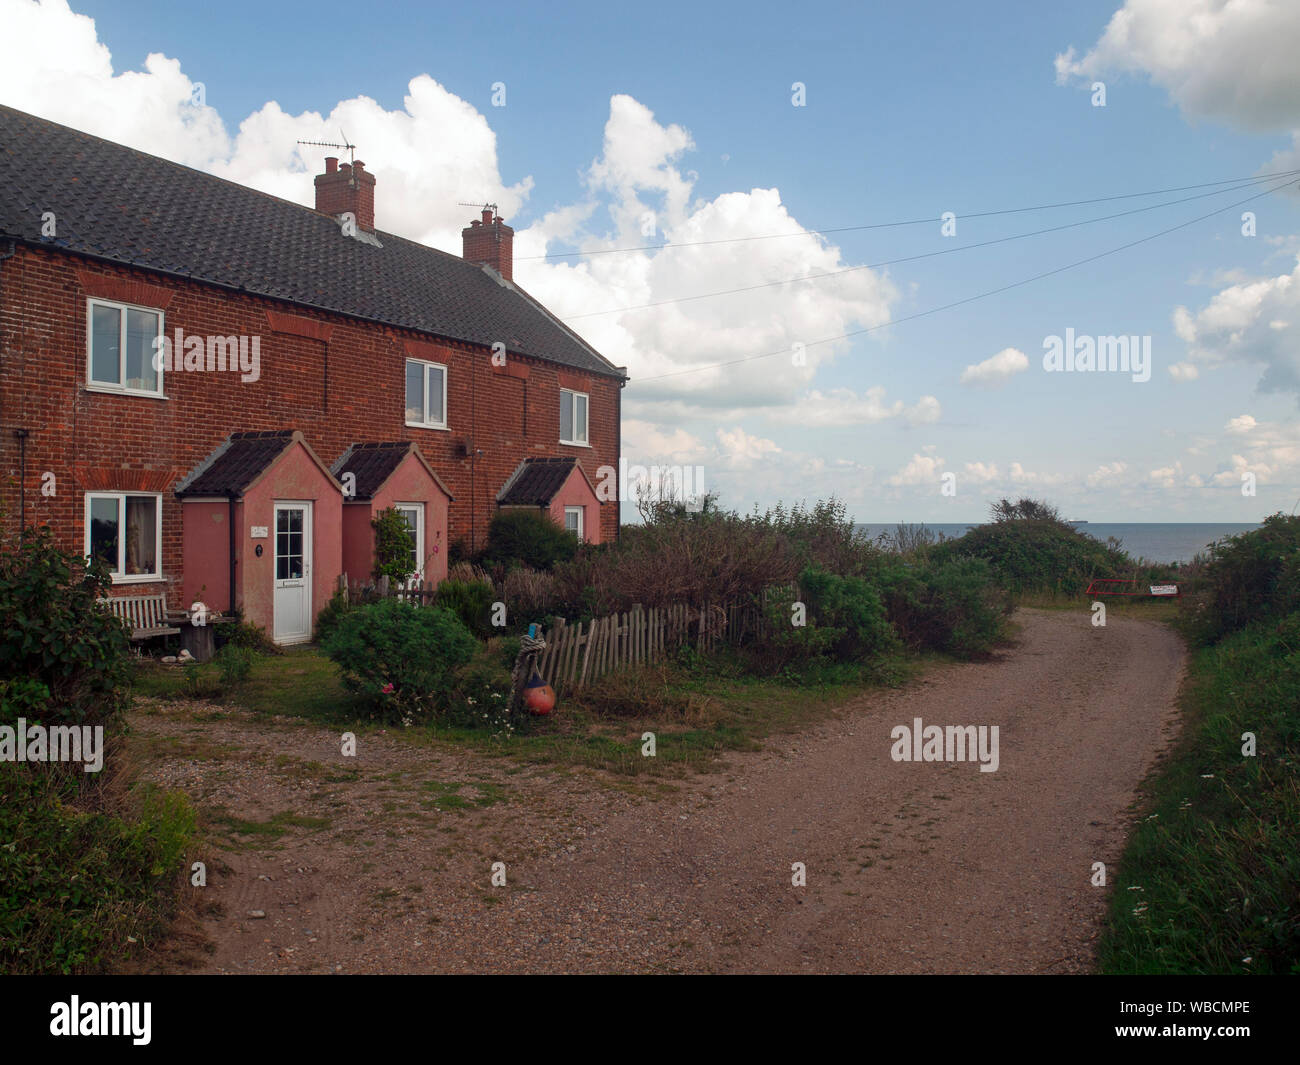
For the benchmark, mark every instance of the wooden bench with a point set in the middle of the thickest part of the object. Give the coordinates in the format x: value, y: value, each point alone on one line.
x: 146, y: 614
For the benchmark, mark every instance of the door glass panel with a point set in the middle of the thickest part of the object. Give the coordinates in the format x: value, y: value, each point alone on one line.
x: 288, y: 544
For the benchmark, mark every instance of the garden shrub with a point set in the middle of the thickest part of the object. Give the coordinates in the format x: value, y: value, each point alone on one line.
x: 53, y: 632
x: 400, y: 658
x: 394, y: 546
x: 327, y: 620
x: 471, y: 601
x: 530, y: 538
x: 481, y: 696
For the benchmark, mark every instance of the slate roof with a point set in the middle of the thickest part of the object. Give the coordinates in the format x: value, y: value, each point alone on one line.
x: 373, y: 463
x: 535, y: 482
x: 129, y: 207
x: 236, y: 463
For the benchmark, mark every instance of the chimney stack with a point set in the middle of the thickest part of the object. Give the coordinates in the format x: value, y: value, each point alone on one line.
x: 490, y: 241
x: 347, y: 188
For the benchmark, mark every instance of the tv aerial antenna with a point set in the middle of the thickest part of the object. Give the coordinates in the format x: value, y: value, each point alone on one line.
x: 481, y: 206
x: 351, y: 149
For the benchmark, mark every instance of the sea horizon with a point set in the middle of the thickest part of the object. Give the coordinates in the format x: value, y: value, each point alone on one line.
x: 1156, y: 541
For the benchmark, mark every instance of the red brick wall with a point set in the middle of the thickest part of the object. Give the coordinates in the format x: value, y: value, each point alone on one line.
x: 338, y: 380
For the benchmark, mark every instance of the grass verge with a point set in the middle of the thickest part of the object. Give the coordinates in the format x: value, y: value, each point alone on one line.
x: 1208, y: 881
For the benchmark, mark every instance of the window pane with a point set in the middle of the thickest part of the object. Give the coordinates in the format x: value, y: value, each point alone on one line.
x: 141, y: 330
x: 437, y: 416
x: 141, y: 534
x: 103, y: 530
x: 566, y: 415
x: 105, y: 340
x: 571, y: 520
x: 580, y: 418
x: 414, y: 392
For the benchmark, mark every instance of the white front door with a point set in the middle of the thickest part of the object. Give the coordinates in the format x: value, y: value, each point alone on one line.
x: 292, y: 572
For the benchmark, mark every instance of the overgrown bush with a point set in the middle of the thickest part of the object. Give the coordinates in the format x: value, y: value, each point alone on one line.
x: 327, y: 620
x: 1038, y: 552
x: 530, y: 538
x: 54, y: 632
x: 481, y: 697
x: 469, y: 601
x: 400, y: 658
x: 853, y: 607
x: 952, y: 606
x: 530, y: 595
x: 251, y: 637
x: 1248, y: 577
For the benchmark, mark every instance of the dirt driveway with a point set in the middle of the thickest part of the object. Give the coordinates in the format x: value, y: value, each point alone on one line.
x: 383, y: 863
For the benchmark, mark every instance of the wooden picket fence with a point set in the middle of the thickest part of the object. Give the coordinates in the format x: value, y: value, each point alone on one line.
x: 578, y: 654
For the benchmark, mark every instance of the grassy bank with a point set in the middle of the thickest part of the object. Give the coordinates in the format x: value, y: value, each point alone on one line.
x: 1208, y: 881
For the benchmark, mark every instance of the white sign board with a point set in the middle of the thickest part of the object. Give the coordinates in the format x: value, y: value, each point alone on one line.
x: 1164, y: 589
x: 260, y: 533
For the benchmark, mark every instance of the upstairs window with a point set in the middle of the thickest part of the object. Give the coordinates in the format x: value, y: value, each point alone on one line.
x: 125, y: 531
x: 426, y: 394
x: 573, y: 417
x: 121, y: 344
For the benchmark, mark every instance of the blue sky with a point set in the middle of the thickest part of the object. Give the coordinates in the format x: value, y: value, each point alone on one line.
x: 911, y: 110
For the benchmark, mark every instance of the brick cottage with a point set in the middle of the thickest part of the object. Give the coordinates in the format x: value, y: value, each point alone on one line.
x: 215, y: 390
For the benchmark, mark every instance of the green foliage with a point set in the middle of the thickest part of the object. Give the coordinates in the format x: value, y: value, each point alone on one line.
x: 53, y: 632
x: 471, y: 601
x: 852, y: 607
x: 952, y: 606
x: 481, y: 696
x: 1030, y: 554
x: 77, y: 884
x: 1250, y: 576
x: 242, y: 634
x: 528, y: 537
x: 234, y: 664
x: 412, y: 651
x: 1207, y: 883
x: 329, y: 616
x: 394, y: 545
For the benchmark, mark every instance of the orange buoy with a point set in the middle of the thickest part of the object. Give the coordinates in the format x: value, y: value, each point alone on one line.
x: 539, y: 696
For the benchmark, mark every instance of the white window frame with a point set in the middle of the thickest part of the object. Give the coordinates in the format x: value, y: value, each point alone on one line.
x: 105, y: 386
x: 586, y: 420
x: 120, y: 576
x: 419, y: 574
x: 426, y: 424
x: 581, y: 513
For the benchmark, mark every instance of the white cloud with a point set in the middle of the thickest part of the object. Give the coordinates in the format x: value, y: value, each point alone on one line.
x: 840, y: 407
x: 1232, y: 61
x: 996, y: 369
x: 1106, y: 473
x: 1243, y: 423
x: 922, y: 469
x: 1183, y: 371
x: 1238, y: 325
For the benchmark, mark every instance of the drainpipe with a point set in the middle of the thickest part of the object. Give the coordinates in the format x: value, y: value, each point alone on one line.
x: 230, y: 520
x: 21, y: 436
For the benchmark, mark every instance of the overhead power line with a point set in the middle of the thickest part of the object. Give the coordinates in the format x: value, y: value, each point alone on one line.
x: 908, y: 258
x: 978, y: 296
x: 964, y: 215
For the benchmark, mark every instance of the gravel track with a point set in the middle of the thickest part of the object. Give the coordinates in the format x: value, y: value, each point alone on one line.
x: 912, y: 867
